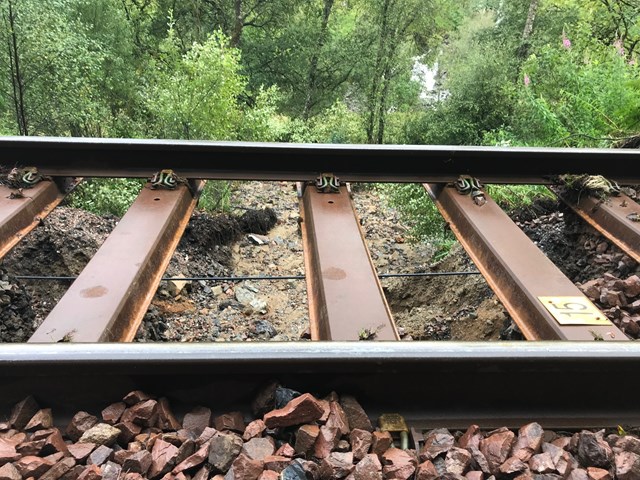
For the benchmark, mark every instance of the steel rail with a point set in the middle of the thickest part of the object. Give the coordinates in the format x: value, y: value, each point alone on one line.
x: 20, y: 215
x: 112, y: 293
x: 617, y: 218
x: 345, y: 296
x: 489, y: 383
x: 301, y: 162
x: 521, y: 276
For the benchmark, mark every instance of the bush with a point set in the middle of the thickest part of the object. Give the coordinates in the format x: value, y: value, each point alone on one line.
x: 418, y: 211
x: 425, y: 222
x: 582, y: 96
x: 216, y: 196
x: 106, y: 195
x: 514, y: 197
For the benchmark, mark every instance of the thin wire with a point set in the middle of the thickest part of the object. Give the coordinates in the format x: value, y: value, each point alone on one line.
x: 255, y: 277
x: 427, y: 274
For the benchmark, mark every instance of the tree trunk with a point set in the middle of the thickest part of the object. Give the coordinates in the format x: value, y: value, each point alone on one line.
x: 238, y: 23
x: 382, y: 106
x: 197, y: 21
x: 377, y: 73
x: 312, y: 78
x: 528, y: 28
x: 531, y: 17
x: 17, y: 80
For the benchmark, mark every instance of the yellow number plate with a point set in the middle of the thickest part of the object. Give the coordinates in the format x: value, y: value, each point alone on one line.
x: 574, y: 311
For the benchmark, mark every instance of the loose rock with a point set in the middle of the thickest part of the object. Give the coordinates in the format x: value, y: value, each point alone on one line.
x: 100, y: 434
x: 303, y: 409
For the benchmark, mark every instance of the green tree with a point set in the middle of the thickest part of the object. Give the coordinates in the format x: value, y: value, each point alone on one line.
x: 478, y: 71
x: 577, y: 97
x: 121, y: 71
x: 612, y: 21
x: 50, y: 67
x: 147, y: 21
x: 532, y: 72
x: 310, y: 55
x: 194, y: 95
x: 398, y: 32
x: 196, y: 19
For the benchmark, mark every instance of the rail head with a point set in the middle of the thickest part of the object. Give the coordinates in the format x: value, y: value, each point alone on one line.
x: 429, y: 383
x: 335, y: 354
x: 101, y: 157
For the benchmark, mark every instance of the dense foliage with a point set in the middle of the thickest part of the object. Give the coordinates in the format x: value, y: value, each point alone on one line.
x: 521, y: 72
x: 534, y: 72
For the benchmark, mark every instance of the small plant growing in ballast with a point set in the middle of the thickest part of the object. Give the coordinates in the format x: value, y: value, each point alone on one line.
x: 369, y: 333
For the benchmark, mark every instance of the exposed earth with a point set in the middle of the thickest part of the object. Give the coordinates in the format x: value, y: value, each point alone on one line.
x: 261, y: 237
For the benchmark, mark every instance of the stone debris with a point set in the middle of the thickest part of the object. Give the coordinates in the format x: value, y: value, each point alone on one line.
x: 618, y: 299
x: 368, y: 468
x: 302, y: 409
x: 259, y: 448
x: 381, y: 442
x: 100, y: 455
x: 398, y: 464
x: 254, y: 429
x: 286, y: 450
x: 327, y: 441
x: 356, y: 415
x: 232, y: 421
x: 197, y: 420
x: 529, y: 441
x: 80, y: 451
x: 258, y: 239
x: 41, y: 420
x: 80, y: 423
x: 337, y: 465
x: 360, y: 442
x: 23, y: 412
x: 144, y: 414
x: 223, y: 450
x: 163, y: 457
x: 306, y: 438
x: 8, y: 452
x: 296, y: 440
x: 458, y: 460
x: 250, y: 300
x: 175, y: 287
x: 437, y: 442
x: 496, y: 448
x: 166, y: 419
x: 100, y: 434
x: 9, y: 472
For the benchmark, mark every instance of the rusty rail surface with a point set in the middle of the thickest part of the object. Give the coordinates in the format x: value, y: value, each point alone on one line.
x: 521, y: 276
x: 346, y: 301
x: 617, y: 218
x: 107, y: 301
x: 283, y: 161
x: 20, y: 215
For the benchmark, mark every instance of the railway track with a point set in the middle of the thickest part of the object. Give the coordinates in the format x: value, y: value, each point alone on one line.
x: 80, y: 355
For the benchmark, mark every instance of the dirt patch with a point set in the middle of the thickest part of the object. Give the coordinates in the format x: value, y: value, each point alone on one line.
x: 61, y: 245
x: 578, y: 250
x: 267, y: 243
x: 258, y: 221
x: 16, y: 314
x: 456, y: 307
